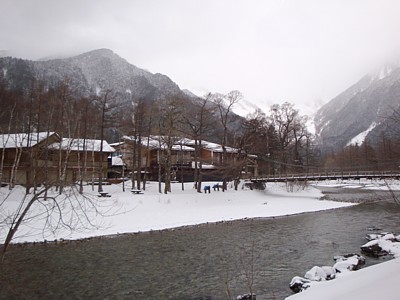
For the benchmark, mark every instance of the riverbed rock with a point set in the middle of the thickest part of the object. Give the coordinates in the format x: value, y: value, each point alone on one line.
x: 250, y: 296
x: 330, y: 272
x: 373, y: 236
x: 390, y: 237
x: 383, y: 235
x: 348, y: 262
x: 374, y: 228
x: 373, y: 249
x: 320, y: 273
x: 299, y: 284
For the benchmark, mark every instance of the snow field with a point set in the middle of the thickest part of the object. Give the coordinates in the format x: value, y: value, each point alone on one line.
x: 125, y: 212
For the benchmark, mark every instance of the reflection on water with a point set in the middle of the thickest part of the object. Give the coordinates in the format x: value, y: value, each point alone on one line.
x: 204, y: 262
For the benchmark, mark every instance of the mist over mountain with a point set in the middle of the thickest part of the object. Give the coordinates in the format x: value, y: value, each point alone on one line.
x: 361, y: 112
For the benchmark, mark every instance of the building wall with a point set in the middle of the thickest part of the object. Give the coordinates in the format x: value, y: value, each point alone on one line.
x: 45, y: 167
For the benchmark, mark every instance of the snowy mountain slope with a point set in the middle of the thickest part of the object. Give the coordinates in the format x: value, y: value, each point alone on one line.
x: 90, y: 73
x: 103, y: 69
x: 361, y: 112
x: 244, y: 108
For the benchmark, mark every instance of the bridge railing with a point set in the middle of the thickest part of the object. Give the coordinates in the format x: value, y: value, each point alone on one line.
x: 330, y: 175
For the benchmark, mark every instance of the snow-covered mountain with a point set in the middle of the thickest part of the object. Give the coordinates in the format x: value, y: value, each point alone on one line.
x: 96, y: 71
x: 360, y: 112
x: 90, y: 73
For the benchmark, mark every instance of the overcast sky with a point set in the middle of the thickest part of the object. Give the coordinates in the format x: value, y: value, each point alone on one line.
x: 301, y: 51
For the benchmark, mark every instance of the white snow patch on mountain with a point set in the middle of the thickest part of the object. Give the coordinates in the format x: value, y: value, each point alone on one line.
x: 359, y: 139
x: 98, y: 90
x: 244, y: 107
x: 325, y: 125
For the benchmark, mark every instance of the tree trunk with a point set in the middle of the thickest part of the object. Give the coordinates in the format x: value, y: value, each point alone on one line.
x: 14, y: 227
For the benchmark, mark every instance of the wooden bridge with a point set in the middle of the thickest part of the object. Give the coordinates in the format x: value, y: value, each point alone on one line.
x: 357, y: 175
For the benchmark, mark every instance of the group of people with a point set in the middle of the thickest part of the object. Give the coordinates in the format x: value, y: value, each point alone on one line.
x: 207, y: 188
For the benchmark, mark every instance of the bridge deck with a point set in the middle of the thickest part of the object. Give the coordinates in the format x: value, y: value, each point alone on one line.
x: 329, y: 176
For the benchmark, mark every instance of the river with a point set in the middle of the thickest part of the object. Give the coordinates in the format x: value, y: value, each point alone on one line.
x: 202, y: 262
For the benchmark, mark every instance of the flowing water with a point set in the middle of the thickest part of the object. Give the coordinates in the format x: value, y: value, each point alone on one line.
x: 203, y: 262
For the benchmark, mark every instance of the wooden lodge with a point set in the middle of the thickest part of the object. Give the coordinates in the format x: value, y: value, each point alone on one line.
x: 40, y: 157
x: 153, y: 154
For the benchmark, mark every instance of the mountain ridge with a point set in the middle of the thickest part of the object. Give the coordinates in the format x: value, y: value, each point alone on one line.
x: 360, y: 112
x: 91, y: 72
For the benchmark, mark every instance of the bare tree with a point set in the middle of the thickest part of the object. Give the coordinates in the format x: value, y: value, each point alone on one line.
x: 150, y: 120
x: 106, y: 105
x: 169, y: 130
x: 87, y: 104
x: 51, y: 109
x: 225, y: 104
x: 291, y: 132
x: 198, y: 120
x: 69, y: 211
x: 139, y: 117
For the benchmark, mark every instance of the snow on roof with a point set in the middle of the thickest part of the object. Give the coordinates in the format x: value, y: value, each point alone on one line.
x: 117, y: 161
x: 116, y: 144
x: 19, y: 140
x: 182, y: 147
x: 157, y: 142
x: 186, y: 141
x: 218, y: 148
x: 82, y: 144
x: 208, y: 145
x: 152, y: 140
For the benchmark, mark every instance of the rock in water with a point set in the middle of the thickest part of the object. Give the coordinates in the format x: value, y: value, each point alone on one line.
x: 249, y: 296
x: 330, y: 272
x: 349, y: 262
x: 316, y: 274
x: 373, y: 249
x: 299, y: 284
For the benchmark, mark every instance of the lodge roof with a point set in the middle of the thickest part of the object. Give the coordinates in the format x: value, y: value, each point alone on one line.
x: 185, y: 144
x: 23, y: 140
x: 82, y: 145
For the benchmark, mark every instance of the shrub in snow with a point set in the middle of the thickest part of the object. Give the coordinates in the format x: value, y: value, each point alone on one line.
x: 248, y: 186
x: 260, y: 186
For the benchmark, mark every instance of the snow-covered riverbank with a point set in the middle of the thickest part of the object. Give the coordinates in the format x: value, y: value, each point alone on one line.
x: 371, y: 283
x: 375, y: 282
x: 125, y: 212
